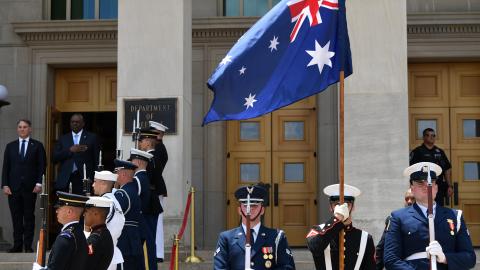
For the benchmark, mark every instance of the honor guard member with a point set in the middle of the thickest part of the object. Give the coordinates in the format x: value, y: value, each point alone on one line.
x: 103, y: 186
x: 100, y: 243
x: 269, y: 250
x: 407, y: 242
x: 141, y: 159
x: 322, y: 240
x: 69, y: 251
x: 409, y: 200
x: 152, y: 142
x: 127, y: 195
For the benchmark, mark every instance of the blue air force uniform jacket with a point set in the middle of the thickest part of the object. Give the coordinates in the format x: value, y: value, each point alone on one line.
x: 129, y: 241
x: 407, y: 234
x: 322, y: 241
x: 270, y: 250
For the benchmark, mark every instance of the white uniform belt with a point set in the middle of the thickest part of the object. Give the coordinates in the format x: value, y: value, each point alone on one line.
x: 416, y: 256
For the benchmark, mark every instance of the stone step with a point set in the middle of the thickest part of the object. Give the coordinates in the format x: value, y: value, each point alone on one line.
x: 303, y: 260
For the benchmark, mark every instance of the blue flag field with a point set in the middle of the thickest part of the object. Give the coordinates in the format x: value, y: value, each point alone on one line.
x: 296, y: 50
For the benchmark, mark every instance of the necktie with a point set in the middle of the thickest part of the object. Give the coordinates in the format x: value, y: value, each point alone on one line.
x: 22, y: 149
x: 252, y: 236
x: 75, y: 141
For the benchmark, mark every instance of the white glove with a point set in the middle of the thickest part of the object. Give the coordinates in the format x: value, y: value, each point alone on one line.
x: 435, y: 249
x: 36, y: 266
x: 342, y: 210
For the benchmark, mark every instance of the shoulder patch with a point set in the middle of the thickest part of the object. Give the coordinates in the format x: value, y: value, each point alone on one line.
x: 67, y: 234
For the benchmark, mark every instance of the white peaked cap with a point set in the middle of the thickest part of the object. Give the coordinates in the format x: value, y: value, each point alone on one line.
x: 96, y: 201
x: 334, y: 190
x: 134, y: 151
x: 157, y: 126
x: 417, y: 167
x: 106, y: 176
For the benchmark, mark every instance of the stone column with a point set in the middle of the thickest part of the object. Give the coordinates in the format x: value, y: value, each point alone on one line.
x: 376, y: 110
x: 154, y: 61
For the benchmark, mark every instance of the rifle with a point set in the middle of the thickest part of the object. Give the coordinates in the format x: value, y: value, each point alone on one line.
x: 42, y: 239
x: 431, y: 226
x: 248, y: 237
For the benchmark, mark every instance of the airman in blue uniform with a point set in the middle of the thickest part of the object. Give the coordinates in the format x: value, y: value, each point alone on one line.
x: 269, y: 248
x: 129, y: 241
x: 407, y: 243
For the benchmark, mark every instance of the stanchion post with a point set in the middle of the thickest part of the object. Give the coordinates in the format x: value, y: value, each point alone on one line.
x: 176, y: 240
x: 192, y: 258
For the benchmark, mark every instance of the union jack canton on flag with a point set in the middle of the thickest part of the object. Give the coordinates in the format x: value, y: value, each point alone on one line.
x: 296, y: 50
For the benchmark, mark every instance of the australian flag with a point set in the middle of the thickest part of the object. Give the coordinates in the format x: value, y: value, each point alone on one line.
x: 296, y: 50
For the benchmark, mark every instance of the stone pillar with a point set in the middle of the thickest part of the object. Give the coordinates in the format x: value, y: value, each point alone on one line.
x: 154, y: 61
x: 376, y: 110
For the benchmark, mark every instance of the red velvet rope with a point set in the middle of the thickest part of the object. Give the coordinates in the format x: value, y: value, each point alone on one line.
x: 182, y: 230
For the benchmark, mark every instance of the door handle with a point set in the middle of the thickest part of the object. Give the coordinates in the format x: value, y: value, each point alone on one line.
x: 275, y: 194
x: 455, y: 193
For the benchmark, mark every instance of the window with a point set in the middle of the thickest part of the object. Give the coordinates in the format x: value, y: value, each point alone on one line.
x: 83, y: 9
x: 247, y: 7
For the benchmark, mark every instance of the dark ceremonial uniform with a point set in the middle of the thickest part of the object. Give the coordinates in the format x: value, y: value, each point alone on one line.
x: 322, y: 241
x: 100, y: 248
x: 160, y: 157
x: 143, y: 183
x: 148, y: 233
x: 407, y: 234
x: 437, y: 156
x: 129, y: 241
x: 69, y: 251
x: 269, y: 251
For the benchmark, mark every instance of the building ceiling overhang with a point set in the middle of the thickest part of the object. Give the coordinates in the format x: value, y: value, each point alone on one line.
x: 445, y: 35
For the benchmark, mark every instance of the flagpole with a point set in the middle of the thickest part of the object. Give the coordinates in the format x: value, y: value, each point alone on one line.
x: 341, y: 175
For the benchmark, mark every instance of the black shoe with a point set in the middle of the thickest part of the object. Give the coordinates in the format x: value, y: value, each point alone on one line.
x: 15, y: 250
x: 28, y: 250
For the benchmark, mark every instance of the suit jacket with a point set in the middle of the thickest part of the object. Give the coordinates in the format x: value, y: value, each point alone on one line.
x: 26, y: 170
x: 62, y: 155
x: 230, y: 251
x: 408, y: 234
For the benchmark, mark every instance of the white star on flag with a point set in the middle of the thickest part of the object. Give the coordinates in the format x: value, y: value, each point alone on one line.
x: 273, y: 44
x: 249, y: 101
x: 321, y: 56
x: 242, y: 70
x: 225, y: 60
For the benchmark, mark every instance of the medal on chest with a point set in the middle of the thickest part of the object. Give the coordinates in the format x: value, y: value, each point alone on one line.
x: 267, y: 256
x: 452, y: 227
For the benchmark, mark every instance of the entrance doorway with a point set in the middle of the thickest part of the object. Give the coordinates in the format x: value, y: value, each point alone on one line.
x: 446, y: 97
x: 93, y: 93
x: 278, y: 151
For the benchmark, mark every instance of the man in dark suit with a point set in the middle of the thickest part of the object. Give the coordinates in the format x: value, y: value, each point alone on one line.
x: 407, y: 243
x: 72, y: 151
x: 24, y: 164
x: 269, y: 247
